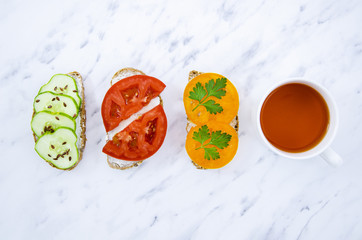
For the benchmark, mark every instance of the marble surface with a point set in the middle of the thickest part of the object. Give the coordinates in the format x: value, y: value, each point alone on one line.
x: 255, y: 43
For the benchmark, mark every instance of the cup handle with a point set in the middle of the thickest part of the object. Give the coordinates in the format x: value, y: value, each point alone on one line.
x: 332, y: 157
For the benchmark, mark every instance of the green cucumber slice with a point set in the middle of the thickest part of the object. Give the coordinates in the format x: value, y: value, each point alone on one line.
x: 62, y: 84
x: 58, y: 148
x: 55, y: 103
x: 46, y: 121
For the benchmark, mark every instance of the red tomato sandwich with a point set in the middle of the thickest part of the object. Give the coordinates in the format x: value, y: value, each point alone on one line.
x: 133, y: 117
x: 211, y: 102
x: 59, y: 121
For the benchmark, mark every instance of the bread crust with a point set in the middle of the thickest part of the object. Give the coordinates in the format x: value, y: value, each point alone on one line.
x: 125, y: 72
x: 234, y: 123
x: 82, y: 113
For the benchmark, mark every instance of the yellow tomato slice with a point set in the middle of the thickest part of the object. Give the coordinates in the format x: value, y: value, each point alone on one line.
x: 197, y: 154
x: 199, y: 114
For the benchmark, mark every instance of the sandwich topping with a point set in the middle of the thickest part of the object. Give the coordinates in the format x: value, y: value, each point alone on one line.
x: 135, y: 122
x: 127, y: 97
x: 211, y: 102
x: 63, y: 84
x: 212, y: 145
x: 140, y: 139
x: 59, y: 147
x: 210, y: 97
x: 54, y: 123
x: 211, y: 141
x: 213, y: 89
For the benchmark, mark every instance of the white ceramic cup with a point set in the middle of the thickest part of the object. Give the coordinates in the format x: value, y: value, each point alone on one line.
x: 323, y: 148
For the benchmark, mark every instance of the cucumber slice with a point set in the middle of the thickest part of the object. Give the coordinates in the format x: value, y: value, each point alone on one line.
x: 58, y: 148
x: 56, y: 103
x: 46, y: 121
x: 62, y: 84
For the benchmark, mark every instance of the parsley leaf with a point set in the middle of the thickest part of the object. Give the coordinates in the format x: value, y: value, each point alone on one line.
x: 212, y: 107
x: 216, y: 89
x: 218, y: 139
x: 198, y: 93
x: 213, y: 89
x: 202, y: 135
x: 211, y: 153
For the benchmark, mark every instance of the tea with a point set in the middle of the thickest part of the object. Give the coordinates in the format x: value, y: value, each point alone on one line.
x: 294, y: 117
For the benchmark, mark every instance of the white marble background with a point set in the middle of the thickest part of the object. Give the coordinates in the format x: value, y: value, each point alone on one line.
x: 254, y: 43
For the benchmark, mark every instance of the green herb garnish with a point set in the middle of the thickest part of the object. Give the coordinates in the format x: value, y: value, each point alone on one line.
x: 213, y: 89
x: 217, y: 139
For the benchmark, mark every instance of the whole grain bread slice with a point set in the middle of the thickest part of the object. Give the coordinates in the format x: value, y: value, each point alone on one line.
x: 234, y: 123
x: 80, y: 120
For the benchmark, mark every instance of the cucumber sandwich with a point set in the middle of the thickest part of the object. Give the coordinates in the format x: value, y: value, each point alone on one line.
x: 59, y: 121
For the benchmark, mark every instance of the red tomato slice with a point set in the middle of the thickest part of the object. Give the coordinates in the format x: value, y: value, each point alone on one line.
x: 141, y: 139
x: 127, y: 97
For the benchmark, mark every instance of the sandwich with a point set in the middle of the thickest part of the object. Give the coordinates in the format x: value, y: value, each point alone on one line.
x: 133, y: 117
x: 59, y: 121
x: 211, y: 103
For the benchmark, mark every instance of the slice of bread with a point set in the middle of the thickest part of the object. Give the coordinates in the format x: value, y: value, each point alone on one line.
x: 234, y: 123
x: 114, y: 162
x: 80, y: 120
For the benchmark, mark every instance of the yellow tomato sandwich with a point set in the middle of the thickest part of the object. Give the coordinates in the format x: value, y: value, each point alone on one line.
x: 211, y: 102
